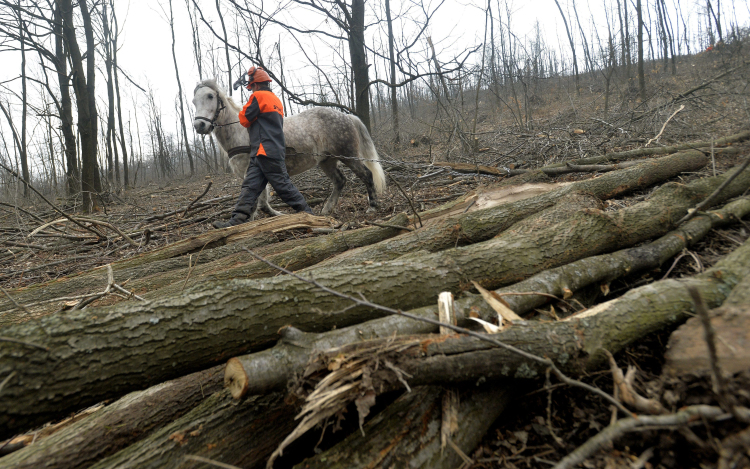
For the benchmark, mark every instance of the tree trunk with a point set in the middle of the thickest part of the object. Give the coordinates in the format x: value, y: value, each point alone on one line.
x: 483, y: 224
x: 22, y: 150
x: 179, y: 91
x: 392, y: 59
x: 72, y: 177
x: 572, y: 47
x: 95, y: 354
x: 358, y: 59
x: 113, y: 169
x: 273, y: 368
x: 84, y: 85
x: 576, y: 344
x: 653, y: 151
x: 641, y: 73
x: 293, y: 255
x: 117, y: 425
x: 220, y: 429
x: 123, y: 147
x: 163, y: 259
x: 226, y: 47
x: 407, y: 433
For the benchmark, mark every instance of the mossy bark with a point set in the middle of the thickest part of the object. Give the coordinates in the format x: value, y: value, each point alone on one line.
x: 106, y: 352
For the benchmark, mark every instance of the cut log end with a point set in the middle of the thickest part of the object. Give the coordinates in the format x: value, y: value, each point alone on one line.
x: 235, y: 378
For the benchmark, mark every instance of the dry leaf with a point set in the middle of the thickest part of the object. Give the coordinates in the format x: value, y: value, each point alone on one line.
x: 605, y: 289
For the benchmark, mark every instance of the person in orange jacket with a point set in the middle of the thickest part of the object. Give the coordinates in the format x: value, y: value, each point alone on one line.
x: 263, y: 115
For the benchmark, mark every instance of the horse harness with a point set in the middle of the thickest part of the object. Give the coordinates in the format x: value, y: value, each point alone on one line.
x: 219, y: 108
x: 236, y: 150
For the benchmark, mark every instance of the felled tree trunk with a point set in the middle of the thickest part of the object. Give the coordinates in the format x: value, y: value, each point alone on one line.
x: 481, y: 225
x: 93, y: 355
x: 220, y: 428
x: 576, y: 344
x: 272, y: 369
x: 117, y: 425
x: 407, y: 433
x: 244, y: 265
x: 249, y: 234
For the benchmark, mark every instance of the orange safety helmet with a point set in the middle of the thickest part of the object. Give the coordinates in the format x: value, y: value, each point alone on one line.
x: 257, y: 75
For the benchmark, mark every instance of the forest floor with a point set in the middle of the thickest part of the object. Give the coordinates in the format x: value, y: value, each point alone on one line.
x: 543, y: 429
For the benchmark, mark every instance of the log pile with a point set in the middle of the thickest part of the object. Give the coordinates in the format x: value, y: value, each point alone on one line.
x: 240, y: 345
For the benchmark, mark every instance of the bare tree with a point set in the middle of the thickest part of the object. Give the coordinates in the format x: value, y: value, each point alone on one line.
x: 117, y: 91
x: 572, y: 46
x: 84, y: 84
x: 392, y: 60
x: 179, y: 91
x: 641, y: 73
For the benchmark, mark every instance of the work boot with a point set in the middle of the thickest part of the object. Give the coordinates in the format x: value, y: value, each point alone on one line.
x: 234, y: 221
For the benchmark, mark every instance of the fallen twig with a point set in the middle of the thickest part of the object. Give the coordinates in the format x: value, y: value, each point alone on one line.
x: 416, y: 214
x: 658, y: 136
x: 719, y: 386
x: 697, y: 414
x: 55, y: 207
x: 205, y: 191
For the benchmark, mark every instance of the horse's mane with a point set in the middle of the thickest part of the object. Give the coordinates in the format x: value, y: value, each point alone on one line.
x: 211, y: 83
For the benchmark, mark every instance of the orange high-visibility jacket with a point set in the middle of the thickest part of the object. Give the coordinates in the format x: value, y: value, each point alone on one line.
x: 263, y: 115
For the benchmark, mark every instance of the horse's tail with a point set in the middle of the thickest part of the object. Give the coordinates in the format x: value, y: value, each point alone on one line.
x: 369, y: 155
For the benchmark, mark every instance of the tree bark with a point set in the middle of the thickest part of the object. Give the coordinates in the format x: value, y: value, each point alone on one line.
x: 392, y: 60
x: 358, y: 57
x: 220, y: 428
x: 483, y: 224
x: 247, y: 234
x: 273, y: 368
x: 117, y: 425
x: 298, y: 255
x: 572, y: 47
x: 123, y: 147
x: 641, y: 73
x: 95, y: 354
x: 72, y: 177
x: 179, y: 91
x: 84, y: 85
x: 407, y: 433
x: 22, y: 150
x: 576, y: 344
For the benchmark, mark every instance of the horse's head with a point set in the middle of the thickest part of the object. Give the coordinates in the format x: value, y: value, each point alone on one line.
x: 208, y: 104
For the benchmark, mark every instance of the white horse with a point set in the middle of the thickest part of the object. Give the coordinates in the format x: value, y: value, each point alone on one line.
x: 319, y: 136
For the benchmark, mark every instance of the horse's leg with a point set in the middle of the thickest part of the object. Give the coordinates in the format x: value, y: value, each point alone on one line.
x: 364, y: 173
x: 330, y: 167
x: 264, y: 205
